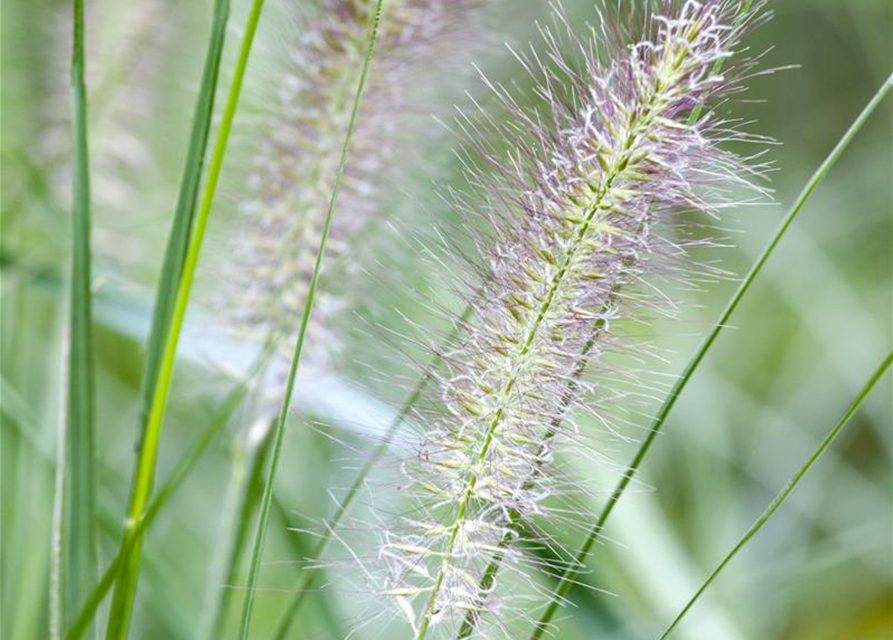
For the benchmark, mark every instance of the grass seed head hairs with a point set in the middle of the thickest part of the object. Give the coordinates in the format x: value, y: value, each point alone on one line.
x: 293, y: 172
x: 578, y: 197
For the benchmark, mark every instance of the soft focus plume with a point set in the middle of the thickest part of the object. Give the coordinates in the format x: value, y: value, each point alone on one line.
x: 294, y: 168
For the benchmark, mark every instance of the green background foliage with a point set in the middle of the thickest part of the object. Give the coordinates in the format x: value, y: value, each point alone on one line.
x: 814, y: 326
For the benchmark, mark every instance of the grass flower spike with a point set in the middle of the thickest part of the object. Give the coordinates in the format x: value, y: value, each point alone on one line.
x: 294, y: 169
x: 580, y: 198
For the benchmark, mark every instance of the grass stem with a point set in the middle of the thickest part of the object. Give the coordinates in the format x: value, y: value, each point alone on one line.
x: 78, y: 483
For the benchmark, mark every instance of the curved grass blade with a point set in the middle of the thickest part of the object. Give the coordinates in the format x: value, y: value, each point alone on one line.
x: 569, y: 576
x: 180, y: 232
x: 785, y: 492
x: 267, y: 498
x: 253, y: 492
x: 76, y: 484
x: 178, y: 240
x: 125, y: 591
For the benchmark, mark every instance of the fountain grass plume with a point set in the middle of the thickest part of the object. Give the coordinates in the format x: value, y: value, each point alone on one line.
x: 294, y: 167
x: 577, y: 205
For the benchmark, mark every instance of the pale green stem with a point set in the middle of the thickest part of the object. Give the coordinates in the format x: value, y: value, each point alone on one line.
x: 246, y: 456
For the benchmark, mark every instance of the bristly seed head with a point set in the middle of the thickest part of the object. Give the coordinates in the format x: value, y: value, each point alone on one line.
x: 293, y: 173
x: 625, y: 141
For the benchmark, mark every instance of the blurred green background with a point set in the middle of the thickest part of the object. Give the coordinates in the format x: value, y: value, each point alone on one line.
x: 806, y: 338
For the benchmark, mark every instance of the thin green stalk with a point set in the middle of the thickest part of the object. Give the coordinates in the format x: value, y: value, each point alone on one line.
x: 79, y: 568
x: 245, y: 471
x: 242, y: 526
x: 785, y: 492
x: 255, y: 488
x: 308, y: 577
x: 297, y: 543
x: 266, y: 500
x: 225, y: 548
x: 125, y: 591
x: 569, y: 576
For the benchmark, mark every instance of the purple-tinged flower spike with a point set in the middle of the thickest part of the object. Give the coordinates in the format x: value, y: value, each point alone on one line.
x: 578, y: 198
x: 293, y: 172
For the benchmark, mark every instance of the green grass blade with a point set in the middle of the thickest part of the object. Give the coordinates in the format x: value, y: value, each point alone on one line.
x: 178, y: 240
x: 243, y: 528
x: 570, y: 574
x: 181, y: 227
x: 266, y: 500
x: 125, y: 591
x: 77, y: 482
x: 785, y: 492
